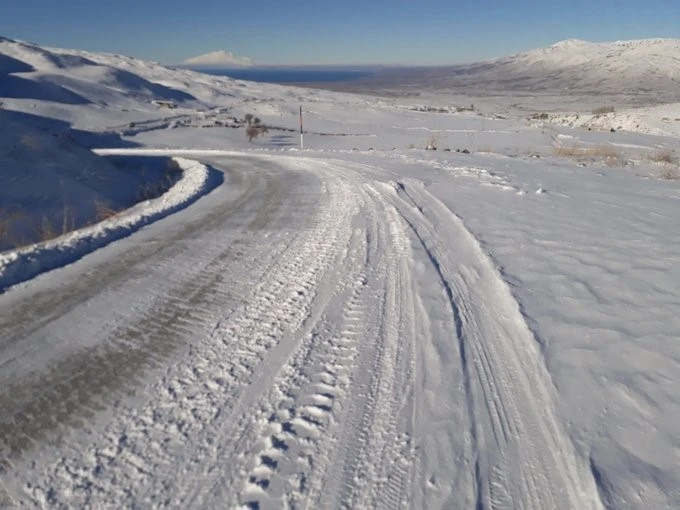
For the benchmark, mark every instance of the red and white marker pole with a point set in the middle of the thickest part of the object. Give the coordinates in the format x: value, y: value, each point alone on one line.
x: 302, y: 135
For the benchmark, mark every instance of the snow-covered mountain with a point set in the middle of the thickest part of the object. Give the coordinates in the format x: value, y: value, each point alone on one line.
x: 74, y: 77
x: 644, y: 65
x: 219, y: 58
x: 647, y: 67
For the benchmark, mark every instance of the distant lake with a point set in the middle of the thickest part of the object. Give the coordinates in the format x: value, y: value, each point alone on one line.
x: 282, y: 75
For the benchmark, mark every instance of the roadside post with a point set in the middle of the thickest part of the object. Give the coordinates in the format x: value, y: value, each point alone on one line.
x: 302, y: 135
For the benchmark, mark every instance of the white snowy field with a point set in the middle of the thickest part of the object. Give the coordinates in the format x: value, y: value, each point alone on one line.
x: 363, y: 323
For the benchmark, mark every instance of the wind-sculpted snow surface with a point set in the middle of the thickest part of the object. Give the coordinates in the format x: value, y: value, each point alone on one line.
x: 379, y: 362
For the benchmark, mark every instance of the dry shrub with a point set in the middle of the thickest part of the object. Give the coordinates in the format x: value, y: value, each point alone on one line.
x: 670, y: 174
x: 602, y: 110
x: 104, y: 211
x: 46, y: 230
x: 6, y: 220
x: 663, y: 156
x: 605, y: 153
x: 252, y: 132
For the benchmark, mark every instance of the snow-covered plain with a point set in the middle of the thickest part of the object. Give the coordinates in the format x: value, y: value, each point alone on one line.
x: 362, y: 323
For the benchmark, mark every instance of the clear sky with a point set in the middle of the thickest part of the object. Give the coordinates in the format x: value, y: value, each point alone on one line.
x: 420, y: 32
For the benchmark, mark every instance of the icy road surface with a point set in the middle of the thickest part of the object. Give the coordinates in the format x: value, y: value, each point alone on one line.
x: 304, y: 336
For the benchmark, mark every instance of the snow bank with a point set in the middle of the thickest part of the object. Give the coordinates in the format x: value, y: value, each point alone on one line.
x: 22, y: 264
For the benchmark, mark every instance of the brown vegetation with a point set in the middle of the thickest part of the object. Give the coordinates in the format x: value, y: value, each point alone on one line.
x: 606, y: 153
x: 603, y: 110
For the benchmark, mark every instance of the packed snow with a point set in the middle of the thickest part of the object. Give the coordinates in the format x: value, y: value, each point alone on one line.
x: 437, y: 303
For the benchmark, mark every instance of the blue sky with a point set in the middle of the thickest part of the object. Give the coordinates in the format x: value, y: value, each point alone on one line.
x: 421, y: 32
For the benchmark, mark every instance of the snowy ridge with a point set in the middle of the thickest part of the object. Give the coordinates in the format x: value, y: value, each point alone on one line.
x: 81, y: 78
x: 22, y: 264
x: 649, y: 68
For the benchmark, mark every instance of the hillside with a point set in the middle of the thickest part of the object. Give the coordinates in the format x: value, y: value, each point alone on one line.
x: 648, y: 70
x: 50, y: 183
x: 57, y: 79
x: 54, y: 105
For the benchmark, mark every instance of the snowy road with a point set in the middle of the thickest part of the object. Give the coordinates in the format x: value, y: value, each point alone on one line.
x: 311, y: 334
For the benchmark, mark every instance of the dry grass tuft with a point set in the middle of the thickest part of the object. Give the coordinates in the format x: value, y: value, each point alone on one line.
x: 46, y: 231
x: 11, y: 235
x: 670, y: 174
x: 606, y: 153
x: 6, y: 219
x: 663, y: 156
x: 68, y: 220
x: 602, y: 110
x: 104, y: 211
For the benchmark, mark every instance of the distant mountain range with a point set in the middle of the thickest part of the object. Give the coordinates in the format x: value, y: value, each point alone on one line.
x: 649, y: 67
x: 218, y: 59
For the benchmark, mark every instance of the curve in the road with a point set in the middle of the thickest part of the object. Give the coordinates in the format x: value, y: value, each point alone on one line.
x: 334, y: 341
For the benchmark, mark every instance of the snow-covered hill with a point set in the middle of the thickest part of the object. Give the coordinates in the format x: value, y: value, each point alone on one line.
x: 36, y: 74
x: 649, y: 67
x: 219, y: 58
x: 54, y: 105
x: 622, y: 66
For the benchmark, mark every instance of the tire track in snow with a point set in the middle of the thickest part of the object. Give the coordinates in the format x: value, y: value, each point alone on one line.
x: 312, y: 261
x: 381, y: 461
x: 371, y: 461
x: 334, y: 433
x: 525, y: 458
x: 307, y: 406
x: 149, y: 455
x: 304, y: 399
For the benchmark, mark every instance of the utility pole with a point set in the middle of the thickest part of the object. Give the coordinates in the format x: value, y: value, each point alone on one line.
x: 302, y: 135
